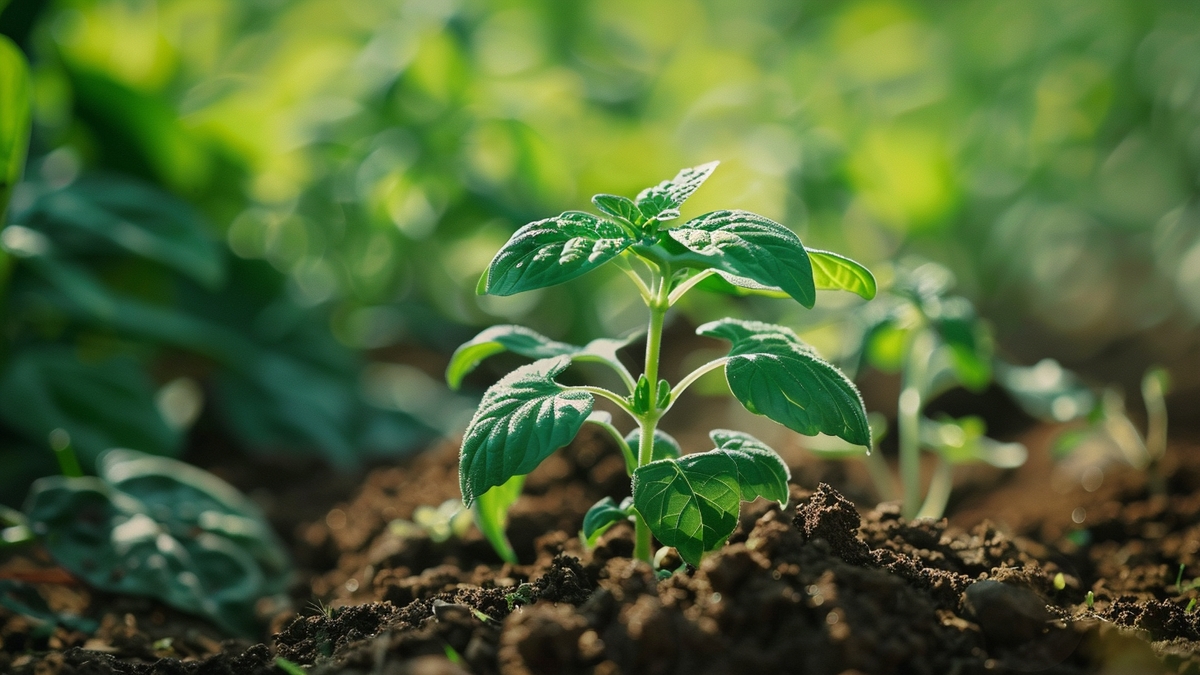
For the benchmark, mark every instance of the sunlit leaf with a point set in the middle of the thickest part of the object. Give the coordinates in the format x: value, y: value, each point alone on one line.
x: 748, y: 245
x: 491, y: 514
x: 622, y: 208
x: 835, y: 272
x: 521, y: 420
x: 15, y: 106
x: 526, y: 342
x: 554, y: 250
x: 692, y: 503
x: 773, y: 373
x: 662, y: 201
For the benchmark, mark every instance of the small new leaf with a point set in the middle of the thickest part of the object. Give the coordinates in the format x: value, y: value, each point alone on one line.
x: 526, y: 342
x: 554, y: 250
x: 748, y: 245
x: 772, y: 373
x: 665, y: 446
x: 692, y: 503
x: 491, y: 514
x: 833, y: 272
x: 603, y: 515
x: 521, y: 420
x: 619, y: 207
x: 657, y: 202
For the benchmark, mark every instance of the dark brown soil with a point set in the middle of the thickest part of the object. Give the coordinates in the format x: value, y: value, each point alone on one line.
x: 815, y: 588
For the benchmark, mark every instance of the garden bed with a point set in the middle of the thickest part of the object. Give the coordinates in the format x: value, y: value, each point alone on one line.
x: 814, y: 588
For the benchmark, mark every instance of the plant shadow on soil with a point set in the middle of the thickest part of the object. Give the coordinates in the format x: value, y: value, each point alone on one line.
x: 814, y: 588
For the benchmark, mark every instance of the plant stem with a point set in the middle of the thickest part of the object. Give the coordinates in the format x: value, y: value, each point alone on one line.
x: 909, y: 419
x: 881, y: 475
x: 630, y: 460
x: 939, y: 492
x: 658, y: 312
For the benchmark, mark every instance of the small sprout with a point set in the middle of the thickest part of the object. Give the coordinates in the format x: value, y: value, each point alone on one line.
x: 68, y: 463
x: 1060, y: 581
x: 1179, y: 580
x: 522, y: 595
x: 690, y: 502
x: 1090, y: 600
x: 1191, y: 606
x: 452, y: 654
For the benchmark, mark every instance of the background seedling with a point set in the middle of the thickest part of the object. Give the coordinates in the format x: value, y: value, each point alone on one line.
x: 689, y: 502
x: 936, y: 341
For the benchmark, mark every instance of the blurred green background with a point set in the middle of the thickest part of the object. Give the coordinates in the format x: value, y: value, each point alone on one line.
x: 354, y: 164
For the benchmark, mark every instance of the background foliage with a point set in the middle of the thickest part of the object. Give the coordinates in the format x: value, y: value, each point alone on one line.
x: 357, y: 163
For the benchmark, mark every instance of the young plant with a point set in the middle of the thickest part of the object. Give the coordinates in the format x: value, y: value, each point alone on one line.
x: 935, y: 341
x: 688, y: 502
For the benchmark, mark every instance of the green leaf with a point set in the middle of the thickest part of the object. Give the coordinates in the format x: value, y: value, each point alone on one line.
x: 665, y: 446
x: 963, y: 441
x: 833, y: 272
x: 161, y: 528
x: 554, y: 250
x: 692, y: 503
x: 133, y: 217
x: 970, y: 346
x: 491, y: 514
x: 1046, y: 390
x: 526, y: 342
x: 521, y: 420
x: 773, y: 373
x: 15, y: 111
x: 603, y: 515
x: 101, y: 405
x: 622, y: 208
x: 661, y: 201
x: 747, y: 245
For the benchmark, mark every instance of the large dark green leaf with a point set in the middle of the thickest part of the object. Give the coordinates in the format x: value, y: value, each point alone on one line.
x: 773, y: 373
x: 133, y: 217
x: 663, y: 200
x: 834, y: 272
x: 158, y: 527
x: 603, y: 515
x: 692, y: 503
x: 554, y: 250
x: 526, y: 342
x: 522, y: 419
x: 747, y: 245
x: 15, y: 103
x: 101, y: 405
x: 491, y: 514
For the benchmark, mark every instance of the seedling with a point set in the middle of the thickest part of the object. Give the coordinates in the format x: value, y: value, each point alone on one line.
x: 1090, y: 600
x: 1110, y: 427
x: 688, y: 502
x: 936, y: 341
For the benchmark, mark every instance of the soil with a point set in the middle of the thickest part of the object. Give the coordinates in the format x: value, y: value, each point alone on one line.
x: 822, y: 586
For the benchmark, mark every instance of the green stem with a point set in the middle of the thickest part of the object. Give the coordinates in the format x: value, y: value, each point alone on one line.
x: 909, y: 419
x: 648, y: 422
x: 692, y: 377
x: 881, y: 475
x: 630, y: 460
x: 604, y: 393
x: 939, y: 492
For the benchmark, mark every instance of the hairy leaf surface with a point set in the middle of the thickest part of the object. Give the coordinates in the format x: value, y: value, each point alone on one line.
x: 692, y: 503
x: 662, y: 201
x: 619, y: 207
x: 774, y: 374
x: 744, y: 244
x: 554, y: 250
x: 526, y: 342
x: 522, y: 419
